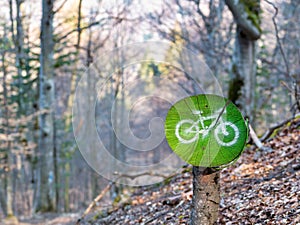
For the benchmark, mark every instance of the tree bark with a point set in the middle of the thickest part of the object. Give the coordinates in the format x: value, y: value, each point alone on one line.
x: 206, y: 196
x: 19, y: 55
x: 68, y: 114
x: 8, y: 177
x: 45, y: 201
x: 242, y: 86
x: 8, y: 207
x: 242, y: 19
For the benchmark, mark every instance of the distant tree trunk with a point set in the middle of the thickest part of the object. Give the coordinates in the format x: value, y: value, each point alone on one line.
x: 206, y: 196
x: 8, y: 207
x: 67, y: 169
x: 8, y: 168
x: 45, y: 197
x: 242, y: 86
x: 19, y: 54
x: 2, y: 198
x: 12, y: 27
x: 68, y: 114
x: 93, y: 184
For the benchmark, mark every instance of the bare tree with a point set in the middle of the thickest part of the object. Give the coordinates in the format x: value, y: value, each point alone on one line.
x: 19, y: 51
x: 45, y: 196
x: 248, y: 31
x: 8, y: 204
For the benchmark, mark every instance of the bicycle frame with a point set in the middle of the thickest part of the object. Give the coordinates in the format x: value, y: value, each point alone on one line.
x: 201, y: 120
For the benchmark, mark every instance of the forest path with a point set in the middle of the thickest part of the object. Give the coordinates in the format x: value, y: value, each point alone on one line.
x: 51, y: 219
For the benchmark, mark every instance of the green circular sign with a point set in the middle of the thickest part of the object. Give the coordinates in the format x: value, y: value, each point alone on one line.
x: 206, y: 130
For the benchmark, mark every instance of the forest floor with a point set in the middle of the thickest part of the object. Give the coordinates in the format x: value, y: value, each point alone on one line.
x: 262, y: 187
x: 50, y: 219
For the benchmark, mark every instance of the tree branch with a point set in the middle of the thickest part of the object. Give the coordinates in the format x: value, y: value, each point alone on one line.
x: 106, y: 189
x: 256, y: 140
x: 94, y: 202
x: 296, y: 94
x: 60, y: 7
x: 80, y: 29
x: 238, y: 11
x: 116, y: 18
x: 278, y: 38
x: 272, y: 129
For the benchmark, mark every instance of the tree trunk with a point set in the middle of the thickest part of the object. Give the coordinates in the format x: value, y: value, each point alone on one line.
x: 11, y: 219
x: 45, y: 201
x: 242, y: 86
x: 68, y: 114
x: 19, y: 55
x: 206, y: 196
x: 67, y: 186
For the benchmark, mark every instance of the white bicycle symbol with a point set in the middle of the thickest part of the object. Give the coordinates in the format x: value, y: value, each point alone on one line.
x: 189, y: 126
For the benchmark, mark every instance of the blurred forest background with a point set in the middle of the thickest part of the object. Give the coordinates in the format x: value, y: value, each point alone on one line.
x: 47, y: 45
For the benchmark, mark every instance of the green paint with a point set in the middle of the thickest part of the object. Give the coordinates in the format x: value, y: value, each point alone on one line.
x: 206, y: 130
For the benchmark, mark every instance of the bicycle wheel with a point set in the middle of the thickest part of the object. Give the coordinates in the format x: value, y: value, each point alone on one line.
x: 226, y: 134
x: 186, y: 131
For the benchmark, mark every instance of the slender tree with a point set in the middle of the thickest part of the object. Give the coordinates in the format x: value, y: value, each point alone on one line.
x: 45, y: 196
x: 67, y: 166
x: 8, y: 204
x: 19, y: 53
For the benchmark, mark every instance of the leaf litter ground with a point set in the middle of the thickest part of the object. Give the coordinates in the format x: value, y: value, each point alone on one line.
x: 260, y: 188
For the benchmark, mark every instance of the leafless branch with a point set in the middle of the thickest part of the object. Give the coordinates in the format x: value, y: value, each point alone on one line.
x: 79, y: 24
x: 272, y: 64
x: 106, y: 189
x: 99, y: 22
x: 270, y: 131
x: 162, y: 213
x: 60, y: 7
x: 80, y: 29
x: 277, y: 36
x: 256, y: 140
x: 295, y: 92
x: 199, y: 11
x: 94, y: 202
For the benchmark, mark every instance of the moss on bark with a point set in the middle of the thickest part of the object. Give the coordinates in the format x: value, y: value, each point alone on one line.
x: 234, y: 91
x: 253, y: 10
